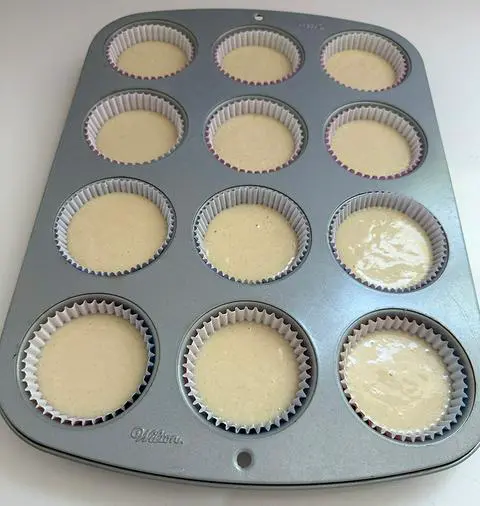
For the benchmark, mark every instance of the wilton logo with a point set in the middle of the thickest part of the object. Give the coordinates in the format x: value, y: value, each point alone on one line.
x: 152, y: 436
x: 310, y: 26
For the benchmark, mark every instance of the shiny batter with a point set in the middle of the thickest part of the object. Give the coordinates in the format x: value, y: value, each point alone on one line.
x: 152, y: 59
x: 256, y: 64
x: 136, y: 137
x: 250, y: 242
x: 398, y: 380
x: 115, y: 232
x: 384, y: 247
x: 371, y: 148
x: 254, y: 143
x: 92, y: 365
x: 246, y: 373
x: 361, y: 70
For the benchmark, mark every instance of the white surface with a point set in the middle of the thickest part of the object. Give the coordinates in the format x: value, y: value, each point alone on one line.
x: 42, y: 46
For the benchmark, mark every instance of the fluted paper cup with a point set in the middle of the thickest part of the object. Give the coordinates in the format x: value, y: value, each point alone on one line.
x: 412, y: 209
x: 370, y: 43
x: 150, y: 32
x: 267, y: 38
x: 106, y: 187
x: 260, y: 196
x: 42, y: 335
x: 458, y: 390
x: 250, y: 313
x: 123, y: 102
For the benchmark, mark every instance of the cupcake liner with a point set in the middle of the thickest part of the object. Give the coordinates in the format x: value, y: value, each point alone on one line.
x: 97, y: 189
x: 408, y: 206
x: 261, y: 106
x: 149, y: 32
x: 441, y: 346
x: 263, y: 38
x: 251, y: 314
x: 404, y: 125
x: 371, y: 43
x: 131, y: 101
x: 43, y: 334
x: 253, y: 195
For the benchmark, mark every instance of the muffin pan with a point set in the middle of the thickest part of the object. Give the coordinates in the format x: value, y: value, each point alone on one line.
x: 178, y: 300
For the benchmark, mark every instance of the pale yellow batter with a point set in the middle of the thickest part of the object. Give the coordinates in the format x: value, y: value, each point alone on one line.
x: 361, y: 70
x: 246, y: 373
x: 92, y: 365
x: 371, y: 148
x: 256, y: 64
x: 254, y: 143
x: 385, y: 247
x: 398, y: 380
x: 152, y: 59
x: 115, y: 232
x: 136, y: 137
x: 250, y: 242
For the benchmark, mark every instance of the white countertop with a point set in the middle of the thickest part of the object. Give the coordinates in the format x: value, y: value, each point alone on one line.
x: 42, y: 47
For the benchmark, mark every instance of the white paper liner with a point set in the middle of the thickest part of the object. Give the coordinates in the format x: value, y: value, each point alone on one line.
x: 43, y: 334
x: 265, y: 107
x: 458, y: 393
x: 411, y: 208
x: 263, y: 38
x: 372, y: 43
x: 254, y: 195
x: 386, y: 116
x: 131, y: 101
x: 149, y: 32
x: 104, y: 187
x: 232, y: 316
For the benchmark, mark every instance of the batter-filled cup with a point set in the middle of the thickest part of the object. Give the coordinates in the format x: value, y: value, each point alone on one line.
x: 375, y: 141
x: 134, y: 127
x: 402, y: 378
x: 262, y: 377
x: 364, y: 61
x: 258, y: 56
x: 251, y: 234
x: 388, y: 241
x: 151, y: 51
x: 255, y: 135
x: 88, y: 362
x: 114, y: 226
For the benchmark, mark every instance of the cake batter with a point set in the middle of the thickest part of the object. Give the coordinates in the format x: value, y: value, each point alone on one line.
x: 371, y: 148
x: 254, y: 143
x: 384, y: 247
x: 398, y: 380
x: 137, y: 136
x: 361, y: 70
x: 250, y: 242
x: 256, y: 64
x: 152, y: 59
x: 247, y: 373
x: 92, y: 366
x: 116, y: 232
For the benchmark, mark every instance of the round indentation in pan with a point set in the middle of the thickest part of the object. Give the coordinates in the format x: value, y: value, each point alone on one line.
x: 87, y: 360
x: 405, y: 375
x: 364, y: 61
x: 255, y: 387
x: 255, y: 134
x: 114, y: 226
x: 151, y: 50
x: 135, y: 127
x: 261, y: 236
x: 393, y: 244
x: 375, y: 141
x: 258, y: 55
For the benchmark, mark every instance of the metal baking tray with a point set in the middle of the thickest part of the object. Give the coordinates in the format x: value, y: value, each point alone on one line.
x: 162, y: 435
